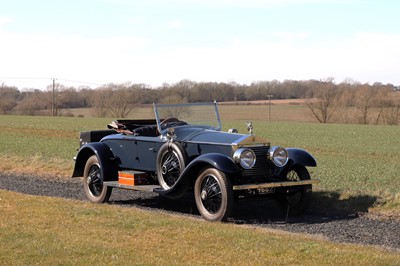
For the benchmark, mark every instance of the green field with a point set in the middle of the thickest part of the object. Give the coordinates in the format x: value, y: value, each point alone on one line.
x: 354, y: 158
x: 357, y: 167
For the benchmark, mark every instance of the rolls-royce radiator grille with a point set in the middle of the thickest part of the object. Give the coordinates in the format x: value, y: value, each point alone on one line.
x: 263, y: 166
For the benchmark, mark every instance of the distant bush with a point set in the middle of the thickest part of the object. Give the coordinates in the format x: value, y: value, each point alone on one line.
x: 68, y: 114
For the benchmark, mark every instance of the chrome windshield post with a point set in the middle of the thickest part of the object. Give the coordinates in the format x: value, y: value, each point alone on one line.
x: 217, y: 115
x: 157, y: 117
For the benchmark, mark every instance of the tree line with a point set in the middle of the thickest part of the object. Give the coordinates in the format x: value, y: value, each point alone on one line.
x: 376, y: 103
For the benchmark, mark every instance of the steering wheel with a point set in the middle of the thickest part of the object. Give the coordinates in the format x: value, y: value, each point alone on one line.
x: 170, y: 122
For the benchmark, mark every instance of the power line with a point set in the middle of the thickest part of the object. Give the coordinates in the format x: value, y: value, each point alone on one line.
x: 82, y: 82
x: 23, y: 78
x: 67, y: 80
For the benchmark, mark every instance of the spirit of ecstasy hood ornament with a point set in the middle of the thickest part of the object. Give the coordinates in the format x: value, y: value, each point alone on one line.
x: 250, y: 127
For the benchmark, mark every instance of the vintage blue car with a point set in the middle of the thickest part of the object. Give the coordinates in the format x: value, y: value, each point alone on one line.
x: 182, y: 150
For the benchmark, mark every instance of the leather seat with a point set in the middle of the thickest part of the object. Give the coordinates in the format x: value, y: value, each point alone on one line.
x: 148, y: 131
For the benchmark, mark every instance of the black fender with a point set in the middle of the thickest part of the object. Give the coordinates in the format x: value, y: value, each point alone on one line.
x: 104, y: 155
x: 219, y: 161
x: 297, y: 157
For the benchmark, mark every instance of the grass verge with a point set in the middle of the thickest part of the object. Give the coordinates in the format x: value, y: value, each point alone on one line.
x: 52, y: 231
x: 37, y: 165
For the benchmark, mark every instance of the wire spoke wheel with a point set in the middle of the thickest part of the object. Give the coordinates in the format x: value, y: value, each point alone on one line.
x: 171, y: 168
x: 295, y: 200
x: 213, y: 195
x: 93, y: 182
x: 171, y: 161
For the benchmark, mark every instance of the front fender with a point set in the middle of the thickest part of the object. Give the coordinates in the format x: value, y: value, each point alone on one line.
x: 297, y: 157
x: 189, y: 175
x: 216, y: 160
x: 104, y: 155
x: 301, y: 157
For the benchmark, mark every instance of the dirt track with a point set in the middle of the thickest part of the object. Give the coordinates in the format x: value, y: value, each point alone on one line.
x: 358, y: 228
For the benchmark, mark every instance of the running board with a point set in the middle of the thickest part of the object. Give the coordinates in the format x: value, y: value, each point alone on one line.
x: 276, y: 184
x: 116, y: 184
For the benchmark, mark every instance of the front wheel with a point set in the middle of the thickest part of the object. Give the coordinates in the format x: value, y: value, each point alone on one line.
x: 213, y: 195
x: 93, y: 186
x: 296, y: 199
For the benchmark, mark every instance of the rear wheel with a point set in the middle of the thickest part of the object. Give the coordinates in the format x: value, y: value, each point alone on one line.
x: 213, y: 195
x: 93, y: 186
x: 296, y: 199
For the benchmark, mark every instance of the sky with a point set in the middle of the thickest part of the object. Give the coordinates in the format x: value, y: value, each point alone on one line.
x: 95, y: 42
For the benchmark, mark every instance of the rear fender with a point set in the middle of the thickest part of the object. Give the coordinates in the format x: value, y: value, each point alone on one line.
x: 189, y: 175
x: 104, y: 155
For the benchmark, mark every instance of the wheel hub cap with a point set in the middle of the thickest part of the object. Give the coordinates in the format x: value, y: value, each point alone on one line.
x: 203, y: 195
x: 164, y: 170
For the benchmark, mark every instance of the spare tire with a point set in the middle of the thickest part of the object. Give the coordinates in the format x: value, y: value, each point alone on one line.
x: 171, y: 161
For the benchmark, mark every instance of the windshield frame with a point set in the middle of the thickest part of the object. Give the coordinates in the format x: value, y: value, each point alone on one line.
x: 213, y: 105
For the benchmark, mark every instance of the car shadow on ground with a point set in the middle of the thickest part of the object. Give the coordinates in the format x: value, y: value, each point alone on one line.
x: 324, y: 207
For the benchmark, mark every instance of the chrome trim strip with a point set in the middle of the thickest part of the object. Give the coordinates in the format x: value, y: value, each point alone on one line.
x: 276, y: 184
x: 208, y: 143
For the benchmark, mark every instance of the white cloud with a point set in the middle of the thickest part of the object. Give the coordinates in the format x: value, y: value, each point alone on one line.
x: 251, y: 3
x: 5, y: 20
x: 223, y: 3
x: 366, y: 57
x: 292, y: 36
x: 74, y: 57
x: 175, y: 24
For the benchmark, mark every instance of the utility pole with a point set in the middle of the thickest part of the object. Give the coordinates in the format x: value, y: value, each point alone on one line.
x: 53, y: 104
x: 269, y: 106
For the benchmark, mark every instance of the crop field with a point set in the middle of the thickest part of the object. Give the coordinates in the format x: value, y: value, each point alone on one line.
x: 288, y: 110
x: 351, y: 158
x: 357, y: 166
x: 354, y: 158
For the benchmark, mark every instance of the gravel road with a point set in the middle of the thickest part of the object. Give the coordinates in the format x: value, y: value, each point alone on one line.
x: 360, y: 228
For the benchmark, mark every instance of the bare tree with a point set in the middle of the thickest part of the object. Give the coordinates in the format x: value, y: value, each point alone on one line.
x: 114, y: 100
x: 391, y: 115
x: 32, y: 103
x: 98, y: 101
x: 391, y: 111
x: 52, y: 97
x: 364, y: 101
x: 120, y: 103
x: 8, y: 98
x: 175, y: 111
x: 324, y: 101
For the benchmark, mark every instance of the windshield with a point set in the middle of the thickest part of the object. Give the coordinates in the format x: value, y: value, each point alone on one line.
x: 200, y: 114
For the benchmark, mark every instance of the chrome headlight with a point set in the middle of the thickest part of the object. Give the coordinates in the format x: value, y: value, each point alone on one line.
x: 245, y: 157
x: 278, y: 156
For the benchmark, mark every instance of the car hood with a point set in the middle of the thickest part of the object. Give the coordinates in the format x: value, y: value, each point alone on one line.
x: 216, y: 137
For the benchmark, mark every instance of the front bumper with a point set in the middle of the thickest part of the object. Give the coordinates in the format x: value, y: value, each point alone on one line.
x: 276, y: 184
